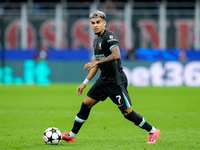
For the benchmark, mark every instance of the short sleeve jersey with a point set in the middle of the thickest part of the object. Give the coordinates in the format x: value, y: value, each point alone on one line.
x: 111, y: 72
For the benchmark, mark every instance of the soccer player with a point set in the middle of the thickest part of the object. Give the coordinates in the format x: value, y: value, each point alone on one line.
x: 111, y: 83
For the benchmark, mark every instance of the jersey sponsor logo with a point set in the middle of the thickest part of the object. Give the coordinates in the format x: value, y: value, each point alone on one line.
x: 111, y: 38
x: 101, y: 56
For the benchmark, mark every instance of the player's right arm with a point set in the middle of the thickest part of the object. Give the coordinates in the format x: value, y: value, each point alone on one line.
x: 91, y: 74
x: 93, y: 71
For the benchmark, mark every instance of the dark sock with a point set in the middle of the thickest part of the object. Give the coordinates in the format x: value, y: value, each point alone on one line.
x: 138, y: 120
x: 76, y: 127
x: 81, y: 117
x: 147, y: 126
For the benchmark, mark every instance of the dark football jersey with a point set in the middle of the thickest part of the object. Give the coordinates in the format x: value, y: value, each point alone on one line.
x: 111, y: 72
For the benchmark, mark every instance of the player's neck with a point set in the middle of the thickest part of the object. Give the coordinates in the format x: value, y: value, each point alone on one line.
x: 99, y: 34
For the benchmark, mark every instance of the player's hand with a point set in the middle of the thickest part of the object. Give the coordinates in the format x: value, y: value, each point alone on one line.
x: 80, y: 89
x: 90, y: 65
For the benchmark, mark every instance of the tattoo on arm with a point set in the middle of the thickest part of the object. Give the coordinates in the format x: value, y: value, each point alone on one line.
x: 116, y: 52
x: 113, y: 56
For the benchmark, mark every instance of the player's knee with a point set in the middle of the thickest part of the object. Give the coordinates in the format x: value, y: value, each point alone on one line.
x: 134, y: 117
x: 126, y: 111
x: 89, y: 102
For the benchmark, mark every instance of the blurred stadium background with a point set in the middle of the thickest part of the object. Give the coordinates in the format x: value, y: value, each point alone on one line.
x: 49, y: 42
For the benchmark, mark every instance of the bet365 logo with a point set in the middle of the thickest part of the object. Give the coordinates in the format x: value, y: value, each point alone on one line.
x: 33, y: 73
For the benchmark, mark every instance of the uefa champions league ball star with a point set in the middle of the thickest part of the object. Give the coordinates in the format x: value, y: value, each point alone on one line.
x: 52, y: 136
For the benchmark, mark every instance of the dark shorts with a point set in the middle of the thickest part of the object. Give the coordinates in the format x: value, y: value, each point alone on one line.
x: 118, y: 94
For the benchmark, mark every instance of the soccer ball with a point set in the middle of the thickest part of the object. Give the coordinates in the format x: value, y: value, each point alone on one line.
x: 52, y: 136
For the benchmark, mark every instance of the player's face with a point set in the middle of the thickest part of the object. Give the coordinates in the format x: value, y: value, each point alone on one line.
x: 98, y: 25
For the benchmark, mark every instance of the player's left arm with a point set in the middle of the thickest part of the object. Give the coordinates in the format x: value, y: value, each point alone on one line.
x: 115, y: 54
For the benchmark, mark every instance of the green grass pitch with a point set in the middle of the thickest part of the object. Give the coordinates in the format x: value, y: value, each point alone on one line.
x: 27, y: 111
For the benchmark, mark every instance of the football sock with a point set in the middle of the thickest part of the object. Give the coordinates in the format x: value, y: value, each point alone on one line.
x: 138, y: 120
x: 81, y: 117
x: 153, y: 130
x: 72, y: 135
x: 146, y: 126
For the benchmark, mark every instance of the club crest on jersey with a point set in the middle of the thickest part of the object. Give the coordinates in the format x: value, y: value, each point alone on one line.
x: 100, y: 46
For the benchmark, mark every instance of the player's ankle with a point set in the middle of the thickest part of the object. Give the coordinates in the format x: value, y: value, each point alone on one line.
x: 153, y: 130
x: 72, y: 135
